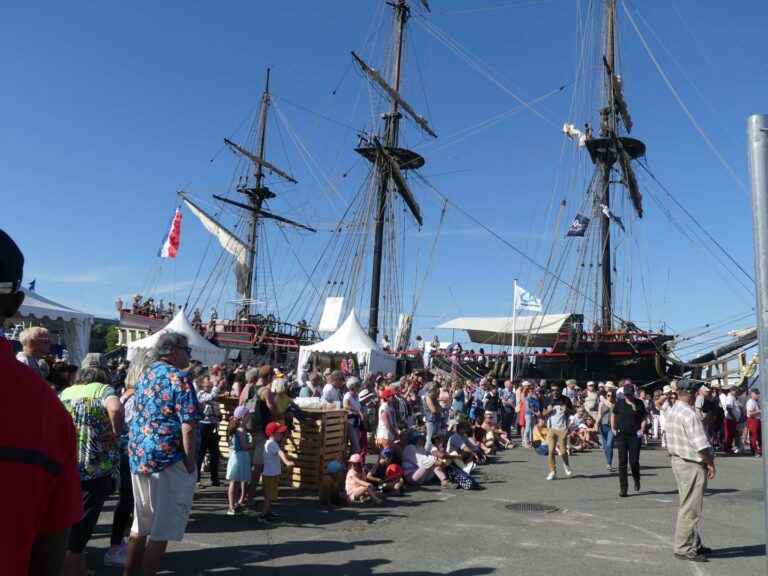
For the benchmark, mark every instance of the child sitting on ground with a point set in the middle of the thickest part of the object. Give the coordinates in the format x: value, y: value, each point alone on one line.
x: 331, y: 491
x: 358, y: 490
x: 378, y: 473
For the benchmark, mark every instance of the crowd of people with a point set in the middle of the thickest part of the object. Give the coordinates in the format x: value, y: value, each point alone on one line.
x: 150, y: 428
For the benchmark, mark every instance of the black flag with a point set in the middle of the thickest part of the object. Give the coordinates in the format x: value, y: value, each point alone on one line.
x: 578, y: 226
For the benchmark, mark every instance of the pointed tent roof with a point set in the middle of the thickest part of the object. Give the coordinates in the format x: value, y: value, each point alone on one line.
x: 350, y: 337
x: 202, y: 350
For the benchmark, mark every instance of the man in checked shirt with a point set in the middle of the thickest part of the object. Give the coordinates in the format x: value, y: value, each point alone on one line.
x: 693, y: 465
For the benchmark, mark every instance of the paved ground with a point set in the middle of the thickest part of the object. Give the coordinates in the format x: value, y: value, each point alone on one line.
x: 432, y: 532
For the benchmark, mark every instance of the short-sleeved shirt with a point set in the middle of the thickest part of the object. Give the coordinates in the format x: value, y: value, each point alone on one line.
x: 379, y: 471
x: 752, y: 405
x: 271, y: 458
x: 685, y: 432
x: 331, y: 394
x: 628, y: 418
x: 165, y: 399
x: 456, y: 443
x: 98, y: 449
x: 39, y: 461
x: 558, y: 418
x: 531, y: 405
x: 507, y: 396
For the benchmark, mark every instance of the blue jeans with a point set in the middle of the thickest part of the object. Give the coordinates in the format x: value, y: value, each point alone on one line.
x: 529, y: 424
x: 432, y: 428
x: 607, y: 435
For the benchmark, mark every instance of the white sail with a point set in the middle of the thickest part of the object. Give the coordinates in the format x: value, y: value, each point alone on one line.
x: 228, y: 241
x: 376, y: 77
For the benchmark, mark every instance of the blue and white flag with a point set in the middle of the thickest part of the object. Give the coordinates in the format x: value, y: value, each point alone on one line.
x: 524, y: 300
x: 578, y: 226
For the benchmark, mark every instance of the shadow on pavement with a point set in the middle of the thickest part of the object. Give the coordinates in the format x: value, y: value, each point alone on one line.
x: 739, y: 551
x: 248, y: 561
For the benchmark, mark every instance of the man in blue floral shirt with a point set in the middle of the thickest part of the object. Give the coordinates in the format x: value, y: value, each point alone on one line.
x: 163, y: 451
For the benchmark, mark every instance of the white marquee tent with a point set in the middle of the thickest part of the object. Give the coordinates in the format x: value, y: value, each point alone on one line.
x: 538, y: 330
x: 75, y: 325
x: 202, y: 350
x: 350, y: 338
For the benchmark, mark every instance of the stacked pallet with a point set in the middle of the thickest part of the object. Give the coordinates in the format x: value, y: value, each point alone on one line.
x: 227, y: 405
x: 318, y: 439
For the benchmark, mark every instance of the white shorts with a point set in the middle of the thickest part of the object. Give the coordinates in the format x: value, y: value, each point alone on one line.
x: 162, y: 502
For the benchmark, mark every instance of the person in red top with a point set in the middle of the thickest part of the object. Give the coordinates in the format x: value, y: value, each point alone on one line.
x: 38, y: 457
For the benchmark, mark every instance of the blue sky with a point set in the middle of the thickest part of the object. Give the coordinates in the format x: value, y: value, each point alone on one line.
x: 108, y: 108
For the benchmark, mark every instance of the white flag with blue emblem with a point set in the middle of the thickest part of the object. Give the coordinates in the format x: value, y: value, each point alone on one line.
x: 524, y: 300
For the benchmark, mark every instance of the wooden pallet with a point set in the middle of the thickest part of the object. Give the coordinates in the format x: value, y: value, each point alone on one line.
x: 320, y: 438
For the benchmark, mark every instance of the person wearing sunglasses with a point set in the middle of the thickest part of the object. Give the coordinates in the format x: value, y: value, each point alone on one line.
x: 163, y: 452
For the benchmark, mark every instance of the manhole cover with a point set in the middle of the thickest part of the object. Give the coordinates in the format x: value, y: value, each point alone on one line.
x: 532, y: 508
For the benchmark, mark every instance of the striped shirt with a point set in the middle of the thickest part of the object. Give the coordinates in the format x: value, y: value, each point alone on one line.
x: 685, y: 432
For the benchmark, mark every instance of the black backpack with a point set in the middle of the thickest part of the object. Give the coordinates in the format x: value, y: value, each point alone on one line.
x: 260, y: 416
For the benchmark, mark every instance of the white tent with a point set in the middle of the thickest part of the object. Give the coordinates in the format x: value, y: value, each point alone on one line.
x: 350, y: 338
x: 75, y: 325
x: 202, y: 350
x: 538, y: 330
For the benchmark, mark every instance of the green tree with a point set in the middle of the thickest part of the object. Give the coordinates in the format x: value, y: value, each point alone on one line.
x: 112, y: 338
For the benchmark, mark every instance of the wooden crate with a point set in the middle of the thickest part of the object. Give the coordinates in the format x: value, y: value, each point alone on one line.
x: 320, y: 438
x: 227, y: 405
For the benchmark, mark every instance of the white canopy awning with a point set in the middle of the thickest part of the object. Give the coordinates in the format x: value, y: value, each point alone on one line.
x: 75, y: 325
x: 350, y: 338
x: 532, y: 331
x: 202, y: 350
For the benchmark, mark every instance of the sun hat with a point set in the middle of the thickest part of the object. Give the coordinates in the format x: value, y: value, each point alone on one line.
x: 590, y: 383
x: 334, y: 466
x: 364, y: 395
x: 355, y: 459
x: 275, y: 428
x: 610, y: 385
x: 241, y: 411
x: 667, y: 389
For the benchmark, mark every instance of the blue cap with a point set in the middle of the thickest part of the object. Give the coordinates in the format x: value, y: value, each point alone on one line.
x: 414, y: 435
x: 387, y: 453
x: 335, y: 466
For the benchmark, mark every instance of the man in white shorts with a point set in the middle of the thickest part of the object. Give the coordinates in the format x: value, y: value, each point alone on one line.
x: 163, y: 453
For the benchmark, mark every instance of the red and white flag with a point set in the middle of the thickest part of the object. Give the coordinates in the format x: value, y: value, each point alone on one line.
x: 170, y: 245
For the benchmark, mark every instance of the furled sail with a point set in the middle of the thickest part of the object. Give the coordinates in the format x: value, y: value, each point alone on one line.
x: 228, y: 241
x: 376, y: 77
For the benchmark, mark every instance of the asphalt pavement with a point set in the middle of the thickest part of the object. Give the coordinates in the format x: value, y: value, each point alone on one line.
x: 429, y: 531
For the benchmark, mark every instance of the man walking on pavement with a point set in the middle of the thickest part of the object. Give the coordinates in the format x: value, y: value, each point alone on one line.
x: 556, y: 409
x: 693, y: 465
x: 628, y: 425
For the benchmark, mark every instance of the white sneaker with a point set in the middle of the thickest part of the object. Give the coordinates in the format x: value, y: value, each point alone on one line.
x: 468, y: 467
x: 568, y: 472
x: 551, y: 475
x: 115, y: 556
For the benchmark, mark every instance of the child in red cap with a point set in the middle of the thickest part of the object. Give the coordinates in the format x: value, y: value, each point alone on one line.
x: 272, y: 457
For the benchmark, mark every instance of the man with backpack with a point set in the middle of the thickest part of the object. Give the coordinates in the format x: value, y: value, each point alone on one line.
x: 258, y: 396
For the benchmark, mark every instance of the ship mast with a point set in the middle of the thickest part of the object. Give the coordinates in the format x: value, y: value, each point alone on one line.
x: 256, y: 197
x: 607, y: 128
x: 391, y: 129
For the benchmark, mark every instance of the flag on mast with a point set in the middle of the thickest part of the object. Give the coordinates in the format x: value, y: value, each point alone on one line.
x: 524, y: 300
x: 170, y: 245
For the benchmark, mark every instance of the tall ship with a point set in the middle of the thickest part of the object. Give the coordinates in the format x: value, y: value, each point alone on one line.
x: 592, y: 336
x: 360, y: 267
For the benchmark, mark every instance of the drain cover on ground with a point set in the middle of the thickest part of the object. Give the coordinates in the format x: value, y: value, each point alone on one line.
x: 532, y: 507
